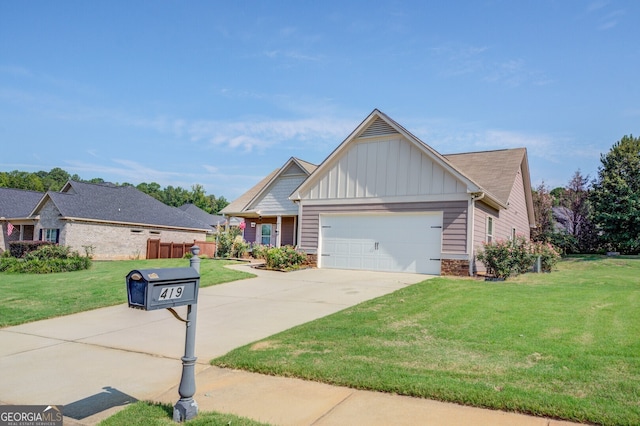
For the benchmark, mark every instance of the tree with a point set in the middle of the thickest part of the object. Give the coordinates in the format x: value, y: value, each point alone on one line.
x: 217, y: 204
x: 616, y: 196
x: 152, y: 189
x: 542, y: 203
x: 198, y: 197
x: 175, y: 196
x: 22, y: 180
x: 574, y: 214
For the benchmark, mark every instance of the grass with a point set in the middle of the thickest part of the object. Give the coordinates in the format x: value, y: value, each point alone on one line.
x: 28, y: 297
x: 563, y: 345
x: 147, y: 414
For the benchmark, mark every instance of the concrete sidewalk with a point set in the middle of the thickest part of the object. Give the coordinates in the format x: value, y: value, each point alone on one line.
x: 96, y: 362
x: 283, y: 401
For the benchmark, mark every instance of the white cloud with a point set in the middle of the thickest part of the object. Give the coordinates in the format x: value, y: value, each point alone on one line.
x: 258, y: 134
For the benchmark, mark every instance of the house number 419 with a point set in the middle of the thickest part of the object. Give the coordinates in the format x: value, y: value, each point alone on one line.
x: 169, y: 293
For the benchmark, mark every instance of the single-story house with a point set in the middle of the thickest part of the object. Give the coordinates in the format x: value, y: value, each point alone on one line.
x: 114, y: 221
x: 384, y: 200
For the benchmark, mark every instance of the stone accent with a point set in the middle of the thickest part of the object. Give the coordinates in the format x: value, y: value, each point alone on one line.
x: 454, y: 267
x: 312, y: 260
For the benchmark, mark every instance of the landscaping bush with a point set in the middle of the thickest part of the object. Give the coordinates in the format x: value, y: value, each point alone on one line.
x: 18, y: 249
x: 239, y: 247
x: 259, y: 251
x: 549, y: 255
x: 225, y: 239
x: 506, y: 258
x: 285, y: 258
x: 46, y: 259
x: 7, y: 264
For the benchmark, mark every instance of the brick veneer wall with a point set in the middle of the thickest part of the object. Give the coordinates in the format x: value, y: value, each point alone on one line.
x: 454, y: 267
x: 120, y: 242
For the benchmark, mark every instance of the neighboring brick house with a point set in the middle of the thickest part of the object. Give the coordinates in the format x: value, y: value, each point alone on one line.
x: 115, y: 221
x: 384, y: 200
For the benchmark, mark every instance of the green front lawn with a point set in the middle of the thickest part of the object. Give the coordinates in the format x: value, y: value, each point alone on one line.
x: 29, y: 297
x: 564, y: 345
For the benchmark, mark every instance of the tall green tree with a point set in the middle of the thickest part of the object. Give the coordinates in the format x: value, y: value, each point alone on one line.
x: 22, y: 180
x: 152, y: 189
x: 198, y: 197
x: 616, y: 196
x: 54, y: 179
x: 175, y: 196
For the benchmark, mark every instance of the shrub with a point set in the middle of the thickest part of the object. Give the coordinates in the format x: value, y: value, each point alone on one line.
x: 7, y: 264
x: 239, y: 248
x: 225, y: 240
x: 50, y: 252
x: 259, y: 251
x: 46, y: 259
x: 19, y: 248
x: 549, y: 255
x: 284, y: 258
x: 505, y: 258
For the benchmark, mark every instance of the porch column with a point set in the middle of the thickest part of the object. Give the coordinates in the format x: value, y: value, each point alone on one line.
x: 278, y: 233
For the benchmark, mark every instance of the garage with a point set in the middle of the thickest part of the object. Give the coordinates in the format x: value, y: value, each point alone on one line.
x: 393, y: 242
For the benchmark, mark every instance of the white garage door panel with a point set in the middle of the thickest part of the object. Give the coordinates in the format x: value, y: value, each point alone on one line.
x: 391, y: 242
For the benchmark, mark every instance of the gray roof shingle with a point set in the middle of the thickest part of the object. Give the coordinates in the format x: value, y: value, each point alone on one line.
x: 18, y: 203
x: 201, y: 215
x: 121, y: 204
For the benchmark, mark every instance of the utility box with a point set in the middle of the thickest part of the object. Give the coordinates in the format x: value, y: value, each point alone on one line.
x: 151, y: 289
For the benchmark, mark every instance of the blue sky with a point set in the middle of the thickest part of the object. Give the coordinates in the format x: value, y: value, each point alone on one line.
x: 221, y: 93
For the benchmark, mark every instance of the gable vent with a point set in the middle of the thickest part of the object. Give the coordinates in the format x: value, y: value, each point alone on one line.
x: 378, y: 128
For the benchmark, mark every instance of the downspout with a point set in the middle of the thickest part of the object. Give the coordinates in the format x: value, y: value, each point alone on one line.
x: 471, y: 233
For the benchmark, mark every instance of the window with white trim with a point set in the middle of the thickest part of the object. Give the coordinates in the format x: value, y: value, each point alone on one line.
x: 489, y: 229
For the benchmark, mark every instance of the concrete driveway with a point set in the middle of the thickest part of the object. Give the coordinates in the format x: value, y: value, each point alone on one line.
x: 96, y: 361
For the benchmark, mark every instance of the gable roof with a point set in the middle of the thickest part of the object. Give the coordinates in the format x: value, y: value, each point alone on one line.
x: 495, y: 171
x: 240, y: 204
x: 17, y: 203
x: 106, y: 202
x: 376, y: 124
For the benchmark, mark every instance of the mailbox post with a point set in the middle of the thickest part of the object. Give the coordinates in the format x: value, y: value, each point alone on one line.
x: 150, y: 289
x: 186, y: 408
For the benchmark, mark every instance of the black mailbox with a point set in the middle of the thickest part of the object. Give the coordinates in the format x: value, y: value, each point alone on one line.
x: 151, y: 289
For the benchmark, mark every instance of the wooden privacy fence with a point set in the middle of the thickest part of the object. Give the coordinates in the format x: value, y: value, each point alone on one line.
x: 159, y: 250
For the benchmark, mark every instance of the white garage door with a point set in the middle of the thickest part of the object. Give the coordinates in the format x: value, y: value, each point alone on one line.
x: 382, y: 242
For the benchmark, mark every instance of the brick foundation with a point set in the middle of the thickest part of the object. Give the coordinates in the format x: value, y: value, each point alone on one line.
x: 454, y: 267
x: 312, y: 260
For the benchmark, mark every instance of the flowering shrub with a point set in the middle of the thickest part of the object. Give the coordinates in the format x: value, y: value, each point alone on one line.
x: 259, y: 251
x: 549, y: 255
x: 286, y: 258
x: 229, y: 242
x: 239, y: 247
x: 505, y: 258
